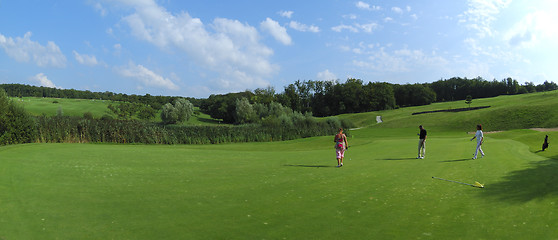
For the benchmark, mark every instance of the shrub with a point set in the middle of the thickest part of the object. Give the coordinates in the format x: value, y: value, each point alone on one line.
x: 180, y: 111
x: 88, y: 115
x: 16, y: 125
x: 107, y: 117
x: 168, y: 114
x: 59, y: 112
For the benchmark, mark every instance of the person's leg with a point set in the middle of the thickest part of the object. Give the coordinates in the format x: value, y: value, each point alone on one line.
x: 419, y: 147
x: 477, y: 150
x: 338, y: 153
x: 423, y: 148
x: 342, y: 157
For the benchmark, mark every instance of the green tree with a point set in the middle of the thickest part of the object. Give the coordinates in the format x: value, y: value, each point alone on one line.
x: 146, y: 112
x: 469, y: 100
x: 168, y: 114
x: 124, y: 110
x: 16, y: 125
x: 184, y: 109
x: 244, y: 111
x: 178, y: 112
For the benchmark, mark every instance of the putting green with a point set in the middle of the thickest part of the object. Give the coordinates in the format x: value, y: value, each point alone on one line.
x: 282, y: 190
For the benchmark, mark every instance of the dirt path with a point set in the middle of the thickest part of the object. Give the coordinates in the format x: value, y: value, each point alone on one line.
x: 545, y: 129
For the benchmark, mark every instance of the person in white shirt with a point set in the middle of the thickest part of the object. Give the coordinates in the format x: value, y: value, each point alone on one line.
x: 480, y: 139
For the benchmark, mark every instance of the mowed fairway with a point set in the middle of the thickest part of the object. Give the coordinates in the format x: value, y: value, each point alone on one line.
x: 283, y: 190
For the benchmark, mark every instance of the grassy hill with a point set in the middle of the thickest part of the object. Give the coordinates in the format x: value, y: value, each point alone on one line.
x: 291, y: 189
x: 77, y: 107
x: 505, y: 113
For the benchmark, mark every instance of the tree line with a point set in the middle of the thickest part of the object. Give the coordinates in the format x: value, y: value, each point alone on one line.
x: 317, y: 98
x: 328, y: 98
x: 18, y: 126
x: 156, y: 102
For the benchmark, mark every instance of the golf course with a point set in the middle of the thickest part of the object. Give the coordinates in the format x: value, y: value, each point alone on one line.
x: 293, y: 189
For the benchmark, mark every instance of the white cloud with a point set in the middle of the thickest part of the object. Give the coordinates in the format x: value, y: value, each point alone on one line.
x: 109, y: 31
x: 532, y: 29
x: 225, y: 46
x: 287, y: 14
x: 480, y: 15
x: 25, y: 50
x: 366, y: 6
x: 342, y: 27
x: 326, y: 76
x: 42, y: 80
x: 303, y: 27
x: 362, y: 5
x: 117, y: 49
x: 368, y: 28
x: 402, y: 60
x: 85, y: 59
x: 277, y: 31
x: 146, y: 76
x: 100, y: 9
x: 397, y: 10
x: 350, y: 16
x: 345, y: 48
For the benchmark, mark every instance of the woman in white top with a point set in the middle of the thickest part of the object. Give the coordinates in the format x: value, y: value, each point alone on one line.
x: 480, y: 139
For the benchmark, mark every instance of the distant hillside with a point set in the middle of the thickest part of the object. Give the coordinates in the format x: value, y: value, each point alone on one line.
x: 22, y: 90
x: 506, y: 113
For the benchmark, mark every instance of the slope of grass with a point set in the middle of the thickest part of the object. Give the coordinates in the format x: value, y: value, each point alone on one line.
x: 279, y: 190
x: 77, y: 107
x: 505, y: 113
x: 291, y: 189
x: 70, y: 107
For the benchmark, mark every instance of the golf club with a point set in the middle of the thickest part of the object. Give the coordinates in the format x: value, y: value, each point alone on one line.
x: 476, y: 184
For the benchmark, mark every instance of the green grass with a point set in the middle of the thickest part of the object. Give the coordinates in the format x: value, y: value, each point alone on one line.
x: 291, y: 189
x: 77, y: 107
x: 70, y: 107
x: 505, y: 113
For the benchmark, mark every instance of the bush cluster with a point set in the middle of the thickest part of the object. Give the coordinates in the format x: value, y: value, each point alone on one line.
x: 68, y: 129
x: 16, y: 125
x: 261, y: 123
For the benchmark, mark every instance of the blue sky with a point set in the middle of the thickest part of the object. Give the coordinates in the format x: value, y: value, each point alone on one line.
x: 198, y: 48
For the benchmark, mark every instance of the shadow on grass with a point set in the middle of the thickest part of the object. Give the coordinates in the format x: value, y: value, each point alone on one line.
x: 537, y: 182
x: 309, y: 166
x: 399, y: 159
x: 459, y: 160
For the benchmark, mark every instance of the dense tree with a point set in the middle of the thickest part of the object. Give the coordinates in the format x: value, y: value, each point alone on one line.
x: 123, y: 110
x: 244, y: 111
x: 469, y: 100
x: 168, y: 114
x: 178, y: 112
x: 156, y: 102
x: 413, y: 95
x: 16, y: 125
x: 223, y: 106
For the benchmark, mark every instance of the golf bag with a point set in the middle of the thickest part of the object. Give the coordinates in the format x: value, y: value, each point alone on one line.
x: 545, y: 144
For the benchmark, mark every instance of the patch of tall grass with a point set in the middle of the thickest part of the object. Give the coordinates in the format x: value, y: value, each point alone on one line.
x: 66, y: 129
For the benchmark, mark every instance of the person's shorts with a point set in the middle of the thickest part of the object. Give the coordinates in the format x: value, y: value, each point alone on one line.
x: 340, y: 152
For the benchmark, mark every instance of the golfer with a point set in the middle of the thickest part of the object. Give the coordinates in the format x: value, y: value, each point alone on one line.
x: 480, y: 139
x: 422, y: 142
x: 340, y: 145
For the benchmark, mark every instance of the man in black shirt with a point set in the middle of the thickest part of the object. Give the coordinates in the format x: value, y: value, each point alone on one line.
x: 422, y: 142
